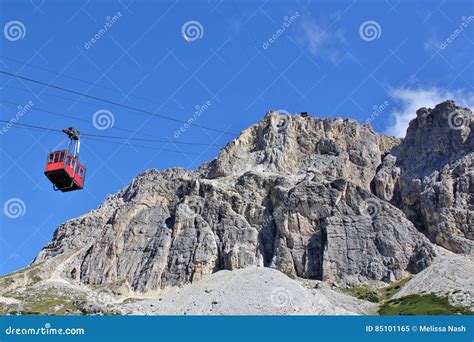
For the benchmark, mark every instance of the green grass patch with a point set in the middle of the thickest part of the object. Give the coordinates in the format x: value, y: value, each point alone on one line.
x: 390, y: 290
x: 46, y: 303
x: 376, y: 294
x: 41, y: 303
x: 364, y: 293
x: 427, y: 304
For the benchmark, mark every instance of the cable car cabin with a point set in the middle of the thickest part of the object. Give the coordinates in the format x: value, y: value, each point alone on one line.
x: 63, y: 168
x: 65, y: 171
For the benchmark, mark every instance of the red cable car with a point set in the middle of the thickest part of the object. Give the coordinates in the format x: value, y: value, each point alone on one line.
x: 63, y: 168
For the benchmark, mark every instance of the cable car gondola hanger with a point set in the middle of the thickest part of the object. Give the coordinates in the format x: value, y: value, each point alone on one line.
x: 63, y: 168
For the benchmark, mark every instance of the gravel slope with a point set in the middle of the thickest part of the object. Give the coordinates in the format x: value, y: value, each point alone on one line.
x: 449, y: 275
x: 250, y: 291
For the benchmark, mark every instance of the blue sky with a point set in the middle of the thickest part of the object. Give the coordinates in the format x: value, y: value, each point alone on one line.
x: 376, y: 60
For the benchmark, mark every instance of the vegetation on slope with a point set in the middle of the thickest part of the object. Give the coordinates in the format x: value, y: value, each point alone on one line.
x: 426, y: 304
x: 376, y: 295
x: 415, y: 304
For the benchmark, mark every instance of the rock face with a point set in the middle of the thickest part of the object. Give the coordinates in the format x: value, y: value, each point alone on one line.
x: 430, y: 176
x: 313, y: 198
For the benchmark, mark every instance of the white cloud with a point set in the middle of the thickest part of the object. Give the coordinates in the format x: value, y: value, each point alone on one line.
x: 325, y: 44
x: 409, y: 100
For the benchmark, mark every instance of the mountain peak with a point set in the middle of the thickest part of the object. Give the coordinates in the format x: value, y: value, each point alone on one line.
x: 286, y: 144
x: 445, y: 117
x: 314, y: 198
x: 436, y: 137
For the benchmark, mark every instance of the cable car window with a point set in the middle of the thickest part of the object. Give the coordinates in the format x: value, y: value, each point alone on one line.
x: 61, y: 156
x: 50, y: 158
x: 68, y: 160
x: 56, y: 157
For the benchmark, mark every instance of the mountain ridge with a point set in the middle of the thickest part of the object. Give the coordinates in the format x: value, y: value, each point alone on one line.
x: 322, y: 199
x: 321, y: 160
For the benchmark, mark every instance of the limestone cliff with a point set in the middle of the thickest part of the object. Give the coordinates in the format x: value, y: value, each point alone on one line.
x: 430, y: 176
x: 315, y: 198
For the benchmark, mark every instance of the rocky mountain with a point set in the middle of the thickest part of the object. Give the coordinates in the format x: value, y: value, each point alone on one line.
x: 317, y: 199
x: 430, y: 176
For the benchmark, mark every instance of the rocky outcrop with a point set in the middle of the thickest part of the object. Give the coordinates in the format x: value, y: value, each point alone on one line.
x: 430, y: 176
x: 292, y: 193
